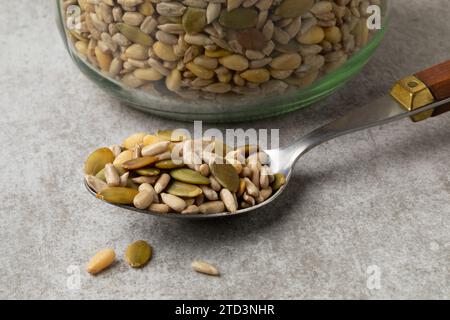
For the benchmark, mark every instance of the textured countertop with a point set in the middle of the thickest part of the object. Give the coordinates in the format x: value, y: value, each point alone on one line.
x: 371, y: 206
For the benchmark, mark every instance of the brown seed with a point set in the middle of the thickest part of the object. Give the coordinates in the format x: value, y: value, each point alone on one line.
x: 251, y: 39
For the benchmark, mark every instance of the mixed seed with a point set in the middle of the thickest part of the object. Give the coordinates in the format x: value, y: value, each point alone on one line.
x: 137, y: 255
x: 205, y: 268
x: 211, y: 48
x: 101, y: 260
x: 205, y: 177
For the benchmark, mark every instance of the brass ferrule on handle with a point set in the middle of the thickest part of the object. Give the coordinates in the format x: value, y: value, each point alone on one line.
x: 423, y: 88
x: 413, y: 94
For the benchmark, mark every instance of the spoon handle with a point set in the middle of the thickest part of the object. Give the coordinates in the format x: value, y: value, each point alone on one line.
x: 437, y: 79
x: 421, y: 96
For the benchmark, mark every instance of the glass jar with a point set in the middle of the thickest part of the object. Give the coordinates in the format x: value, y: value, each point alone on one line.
x: 217, y: 63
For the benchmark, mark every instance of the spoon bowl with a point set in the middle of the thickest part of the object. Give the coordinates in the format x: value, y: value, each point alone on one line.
x: 193, y: 216
x: 410, y: 97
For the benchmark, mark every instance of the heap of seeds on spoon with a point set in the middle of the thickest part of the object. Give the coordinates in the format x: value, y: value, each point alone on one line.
x: 211, y: 48
x: 205, y: 177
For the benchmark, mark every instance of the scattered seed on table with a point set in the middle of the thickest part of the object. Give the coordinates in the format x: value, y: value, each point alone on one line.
x: 102, y: 260
x: 205, y: 268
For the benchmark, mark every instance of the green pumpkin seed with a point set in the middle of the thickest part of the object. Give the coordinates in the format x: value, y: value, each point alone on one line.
x: 134, y: 34
x: 294, y: 8
x: 97, y: 161
x: 240, y: 18
x: 168, y: 164
x: 194, y: 20
x: 101, y: 175
x: 138, y: 254
x: 226, y: 175
x: 148, y: 172
x: 139, y: 163
x: 182, y: 189
x: 280, y: 180
x: 118, y: 195
x: 189, y: 176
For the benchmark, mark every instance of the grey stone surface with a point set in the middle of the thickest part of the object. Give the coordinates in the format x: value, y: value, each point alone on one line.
x: 375, y: 198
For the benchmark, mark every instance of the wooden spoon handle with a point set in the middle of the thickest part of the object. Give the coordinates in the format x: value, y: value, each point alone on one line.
x: 437, y: 79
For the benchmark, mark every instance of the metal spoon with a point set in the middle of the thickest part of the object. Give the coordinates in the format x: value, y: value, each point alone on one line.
x: 405, y: 101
